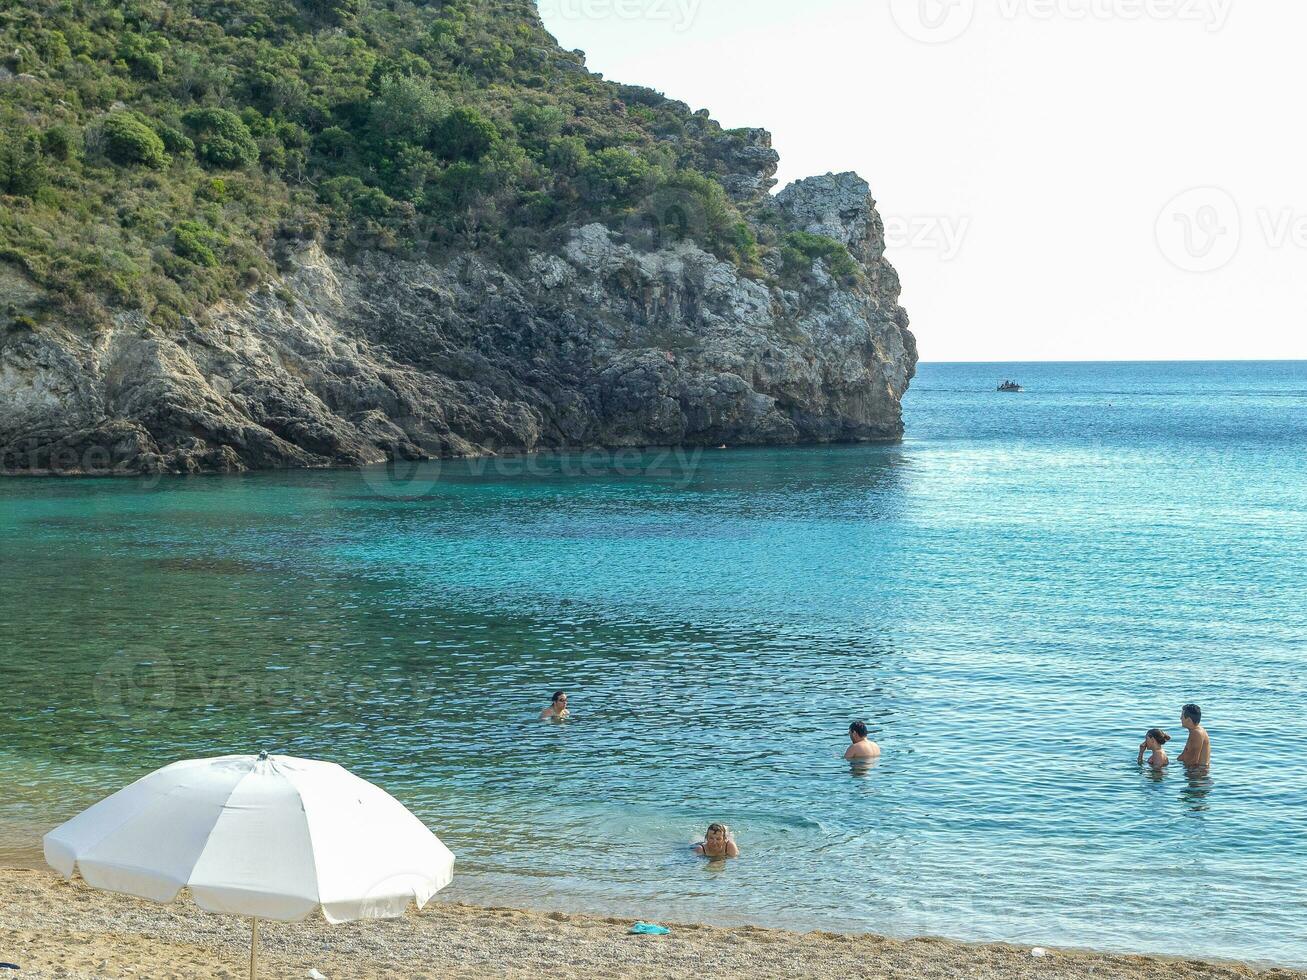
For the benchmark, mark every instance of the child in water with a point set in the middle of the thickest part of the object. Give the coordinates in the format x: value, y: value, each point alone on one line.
x: 1153, y: 743
x: 718, y: 843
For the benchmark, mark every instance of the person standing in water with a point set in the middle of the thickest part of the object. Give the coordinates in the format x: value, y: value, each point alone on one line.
x: 557, y: 710
x: 861, y: 747
x: 1198, y: 748
x: 717, y: 843
x: 1153, y: 742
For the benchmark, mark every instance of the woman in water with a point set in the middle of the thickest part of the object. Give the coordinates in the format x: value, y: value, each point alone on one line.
x: 1153, y: 743
x: 717, y: 843
x: 557, y: 710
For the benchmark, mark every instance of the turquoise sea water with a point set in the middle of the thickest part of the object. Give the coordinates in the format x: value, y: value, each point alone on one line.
x: 1009, y: 598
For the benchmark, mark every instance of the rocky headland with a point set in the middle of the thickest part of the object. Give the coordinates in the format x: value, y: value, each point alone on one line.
x: 605, y: 333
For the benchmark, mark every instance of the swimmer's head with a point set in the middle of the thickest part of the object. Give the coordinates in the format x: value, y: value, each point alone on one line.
x: 1156, y: 738
x: 559, y: 700
x: 1191, y: 714
x: 858, y: 731
x: 718, y: 834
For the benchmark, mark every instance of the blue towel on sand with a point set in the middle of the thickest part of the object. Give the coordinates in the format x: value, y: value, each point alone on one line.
x: 648, y: 929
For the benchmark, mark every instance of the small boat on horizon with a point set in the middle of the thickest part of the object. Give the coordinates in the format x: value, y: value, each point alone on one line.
x: 1010, y: 386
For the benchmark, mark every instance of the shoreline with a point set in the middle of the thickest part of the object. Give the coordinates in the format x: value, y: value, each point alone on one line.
x: 50, y: 927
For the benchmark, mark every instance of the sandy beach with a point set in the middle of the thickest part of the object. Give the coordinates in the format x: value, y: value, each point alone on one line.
x: 51, y: 928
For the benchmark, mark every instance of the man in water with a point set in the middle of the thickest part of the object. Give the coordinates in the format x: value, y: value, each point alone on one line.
x: 862, y: 747
x: 1198, y: 749
x: 557, y: 710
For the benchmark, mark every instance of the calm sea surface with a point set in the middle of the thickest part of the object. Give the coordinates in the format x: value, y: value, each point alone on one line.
x: 1009, y: 598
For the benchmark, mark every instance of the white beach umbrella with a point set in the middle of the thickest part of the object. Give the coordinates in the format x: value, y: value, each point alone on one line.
x: 265, y: 837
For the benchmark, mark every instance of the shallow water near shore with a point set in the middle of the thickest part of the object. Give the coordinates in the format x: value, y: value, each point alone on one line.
x: 1009, y: 598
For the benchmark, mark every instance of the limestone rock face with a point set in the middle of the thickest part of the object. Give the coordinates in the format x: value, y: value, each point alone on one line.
x: 604, y: 343
x: 840, y: 206
x: 836, y: 206
x: 749, y: 163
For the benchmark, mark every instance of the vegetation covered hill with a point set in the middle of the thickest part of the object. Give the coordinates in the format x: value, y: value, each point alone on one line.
x: 153, y: 151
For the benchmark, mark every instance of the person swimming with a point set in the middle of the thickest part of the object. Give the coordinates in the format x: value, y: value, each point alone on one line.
x: 719, y: 842
x: 861, y: 747
x: 1198, y: 747
x: 1153, y: 742
x: 557, y: 710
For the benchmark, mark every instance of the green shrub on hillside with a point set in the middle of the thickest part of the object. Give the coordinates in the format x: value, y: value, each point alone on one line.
x: 349, y: 196
x: 59, y: 143
x: 22, y: 171
x: 335, y: 143
x: 725, y: 233
x: 538, y: 126
x: 221, y: 139
x: 616, y: 174
x: 802, y: 248
x: 335, y: 11
x: 129, y: 140
x: 214, y: 190
x: 459, y: 187
x: 464, y: 134
x: 174, y: 140
x: 407, y: 109
x: 197, y: 243
x: 568, y: 156
x: 144, y: 62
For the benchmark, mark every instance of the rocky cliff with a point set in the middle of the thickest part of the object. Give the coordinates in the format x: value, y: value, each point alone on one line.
x: 602, y: 343
x: 241, y: 234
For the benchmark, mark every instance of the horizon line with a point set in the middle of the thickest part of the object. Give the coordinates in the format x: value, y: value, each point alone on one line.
x: 1144, y: 360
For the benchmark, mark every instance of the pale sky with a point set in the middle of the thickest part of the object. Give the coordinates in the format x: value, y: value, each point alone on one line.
x: 1063, y: 179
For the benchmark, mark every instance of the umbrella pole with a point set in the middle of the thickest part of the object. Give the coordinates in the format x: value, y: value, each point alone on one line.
x: 254, y: 948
